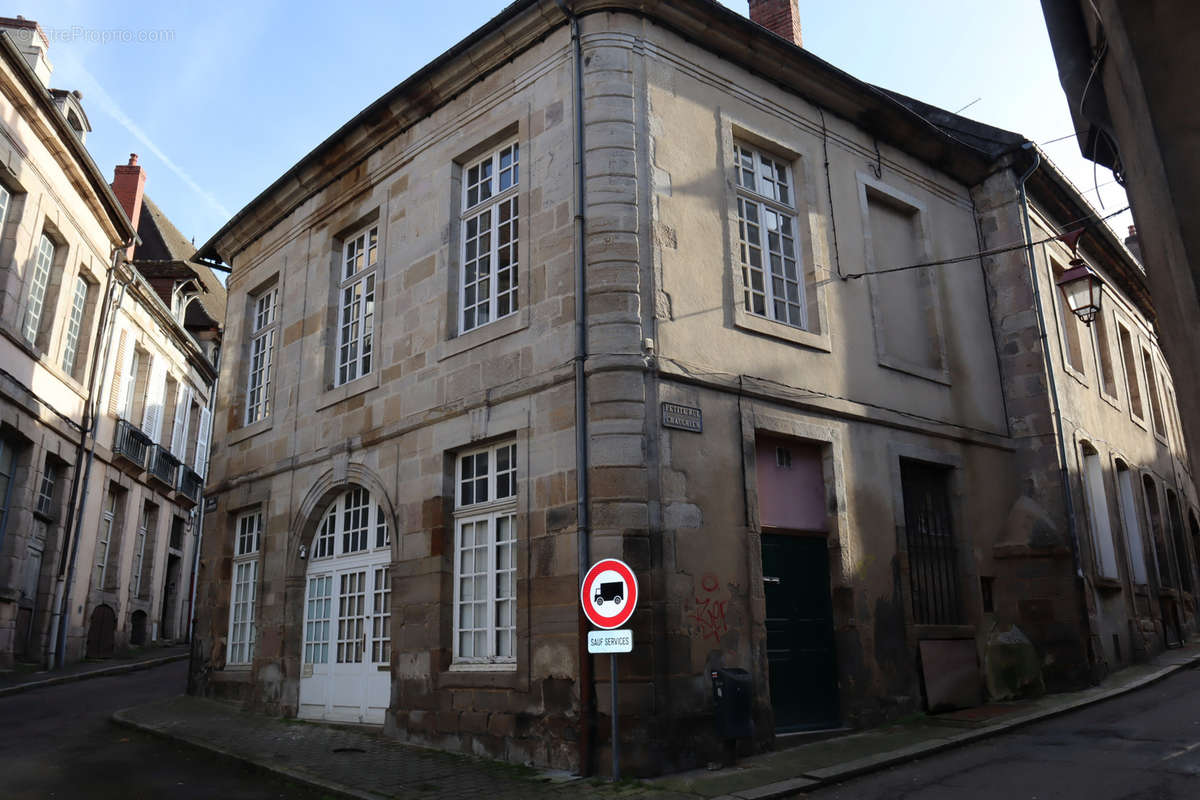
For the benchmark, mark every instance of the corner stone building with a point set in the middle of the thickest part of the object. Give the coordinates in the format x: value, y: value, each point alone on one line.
x: 396, y: 472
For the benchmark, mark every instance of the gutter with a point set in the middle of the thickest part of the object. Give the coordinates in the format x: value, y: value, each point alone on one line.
x: 587, y: 689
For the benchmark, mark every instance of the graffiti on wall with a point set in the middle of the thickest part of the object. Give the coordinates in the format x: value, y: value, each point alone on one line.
x: 708, y: 612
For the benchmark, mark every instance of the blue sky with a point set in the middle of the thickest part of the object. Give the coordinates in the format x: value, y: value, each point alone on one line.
x: 220, y: 99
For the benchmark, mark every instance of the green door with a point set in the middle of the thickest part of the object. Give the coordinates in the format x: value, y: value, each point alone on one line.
x: 800, y: 646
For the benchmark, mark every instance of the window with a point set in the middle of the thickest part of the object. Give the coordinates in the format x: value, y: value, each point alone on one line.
x: 110, y: 527
x: 1133, y: 528
x: 1097, y: 501
x: 932, y: 551
x: 1131, y: 375
x: 45, y: 499
x: 1162, y: 560
x: 74, y: 325
x: 42, y: 260
x: 5, y: 202
x: 356, y: 307
x: 485, y: 556
x: 7, y: 467
x: 348, y: 525
x: 1108, y: 380
x: 245, y: 578
x: 772, y: 277
x: 143, y: 567
x: 488, y: 289
x: 1152, y: 389
x: 1069, y: 325
x: 262, y: 347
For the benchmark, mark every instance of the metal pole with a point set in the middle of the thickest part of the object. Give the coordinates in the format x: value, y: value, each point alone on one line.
x: 616, y: 744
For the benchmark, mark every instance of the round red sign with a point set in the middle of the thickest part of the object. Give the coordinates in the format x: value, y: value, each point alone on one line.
x: 609, y: 593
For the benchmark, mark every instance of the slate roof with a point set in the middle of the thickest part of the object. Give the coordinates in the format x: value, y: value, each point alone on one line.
x: 166, y: 252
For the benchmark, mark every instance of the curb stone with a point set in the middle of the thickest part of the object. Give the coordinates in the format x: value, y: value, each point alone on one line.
x: 103, y: 672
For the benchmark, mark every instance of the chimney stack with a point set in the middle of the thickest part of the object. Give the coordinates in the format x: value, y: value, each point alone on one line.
x: 780, y: 17
x: 129, y: 183
x: 1133, y: 243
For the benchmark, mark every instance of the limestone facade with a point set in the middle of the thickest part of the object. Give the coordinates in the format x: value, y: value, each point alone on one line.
x: 895, y: 422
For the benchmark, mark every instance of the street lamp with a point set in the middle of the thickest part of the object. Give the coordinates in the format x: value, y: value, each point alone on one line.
x: 1082, y: 287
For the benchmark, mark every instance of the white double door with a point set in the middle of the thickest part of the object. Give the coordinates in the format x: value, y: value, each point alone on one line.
x: 345, y: 671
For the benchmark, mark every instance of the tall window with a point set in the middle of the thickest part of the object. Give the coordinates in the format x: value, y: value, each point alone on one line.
x: 74, y: 324
x: 245, y: 578
x: 7, y: 466
x: 485, y: 556
x: 1108, y: 380
x: 1131, y: 374
x: 772, y: 279
x: 932, y: 550
x: 110, y: 521
x: 142, y: 568
x: 1131, y: 523
x: 5, y: 202
x: 1156, y: 412
x: 262, y: 347
x: 37, y: 289
x: 356, y: 309
x: 45, y: 499
x: 488, y: 289
x: 1097, y: 500
x: 1069, y: 324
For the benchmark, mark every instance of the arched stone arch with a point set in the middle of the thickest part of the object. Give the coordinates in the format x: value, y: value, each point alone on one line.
x: 325, y: 490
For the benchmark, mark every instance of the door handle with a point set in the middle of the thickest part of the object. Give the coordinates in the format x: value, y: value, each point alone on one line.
x: 769, y: 579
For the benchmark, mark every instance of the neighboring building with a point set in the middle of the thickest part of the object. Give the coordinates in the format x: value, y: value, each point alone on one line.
x: 101, y: 322
x: 1125, y: 69
x: 847, y: 484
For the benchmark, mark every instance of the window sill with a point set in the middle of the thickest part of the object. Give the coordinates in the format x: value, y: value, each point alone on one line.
x: 468, y: 666
x: 931, y: 374
x: 347, y: 390
x: 232, y: 673
x: 247, y: 431
x: 944, y: 631
x: 779, y: 330
x: 498, y: 676
x: 1111, y: 399
x: 1105, y: 584
x: 484, y: 334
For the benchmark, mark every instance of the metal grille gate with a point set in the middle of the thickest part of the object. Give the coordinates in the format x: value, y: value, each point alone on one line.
x: 932, y: 554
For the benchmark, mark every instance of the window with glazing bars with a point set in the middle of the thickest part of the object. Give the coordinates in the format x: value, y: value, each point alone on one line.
x: 489, y: 278
x: 485, y: 556
x: 262, y: 351
x: 42, y: 261
x: 356, y: 305
x: 74, y: 324
x: 243, y: 592
x: 772, y: 275
x: 932, y: 551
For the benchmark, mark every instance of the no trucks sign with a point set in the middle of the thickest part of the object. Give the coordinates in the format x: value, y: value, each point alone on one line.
x: 609, y: 594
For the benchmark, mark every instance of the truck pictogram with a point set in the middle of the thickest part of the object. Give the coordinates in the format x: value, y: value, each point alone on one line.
x: 609, y: 591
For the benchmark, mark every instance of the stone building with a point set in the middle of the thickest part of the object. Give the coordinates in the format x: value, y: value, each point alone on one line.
x: 106, y: 385
x: 691, y: 297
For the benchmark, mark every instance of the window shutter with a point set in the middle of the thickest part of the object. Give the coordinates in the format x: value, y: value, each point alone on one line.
x: 114, y: 388
x: 155, y: 388
x: 205, y: 427
x: 179, y: 430
x: 128, y: 379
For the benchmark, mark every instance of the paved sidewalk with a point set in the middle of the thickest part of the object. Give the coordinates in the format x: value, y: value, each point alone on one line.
x: 22, y: 680
x: 359, y: 763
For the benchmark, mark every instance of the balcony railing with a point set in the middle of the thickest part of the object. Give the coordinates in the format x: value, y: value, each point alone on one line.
x: 130, y: 443
x: 163, y: 466
x: 190, y: 484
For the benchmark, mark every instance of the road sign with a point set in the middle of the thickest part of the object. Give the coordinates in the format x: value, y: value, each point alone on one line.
x: 609, y: 593
x: 610, y: 641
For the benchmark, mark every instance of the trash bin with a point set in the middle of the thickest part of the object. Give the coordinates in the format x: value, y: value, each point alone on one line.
x: 732, y: 692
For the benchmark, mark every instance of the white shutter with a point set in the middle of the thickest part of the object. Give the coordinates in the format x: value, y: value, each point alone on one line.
x: 204, y: 428
x: 156, y: 388
x: 179, y: 431
x: 128, y: 379
x: 114, y: 387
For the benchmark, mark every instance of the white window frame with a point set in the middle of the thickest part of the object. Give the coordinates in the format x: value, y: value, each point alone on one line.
x: 262, y: 353
x: 5, y: 203
x: 243, y: 590
x: 358, y: 286
x: 43, y: 260
x: 139, y: 550
x: 45, y: 498
x: 74, y: 324
x: 766, y: 187
x: 331, y: 537
x: 490, y: 211
x: 499, y: 576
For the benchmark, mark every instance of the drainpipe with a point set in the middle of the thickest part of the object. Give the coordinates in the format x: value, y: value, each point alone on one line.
x: 583, y: 524
x: 212, y: 400
x: 56, y: 656
x: 1064, y: 473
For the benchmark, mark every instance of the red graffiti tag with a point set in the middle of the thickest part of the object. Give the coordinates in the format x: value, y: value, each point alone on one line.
x: 709, y: 613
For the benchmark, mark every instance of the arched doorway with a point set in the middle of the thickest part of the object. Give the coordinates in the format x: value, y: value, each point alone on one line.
x: 137, y: 628
x: 346, y: 652
x: 101, y: 632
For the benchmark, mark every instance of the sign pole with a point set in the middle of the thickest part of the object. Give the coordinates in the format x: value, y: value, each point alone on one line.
x: 616, y: 744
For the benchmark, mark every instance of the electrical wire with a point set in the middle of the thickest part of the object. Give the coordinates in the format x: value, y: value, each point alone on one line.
x: 983, y: 253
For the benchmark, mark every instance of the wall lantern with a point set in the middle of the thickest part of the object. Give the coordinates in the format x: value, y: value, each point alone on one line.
x: 1082, y: 287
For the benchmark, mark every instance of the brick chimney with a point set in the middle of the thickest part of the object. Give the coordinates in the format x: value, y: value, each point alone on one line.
x: 1134, y: 243
x: 780, y: 17
x: 129, y: 183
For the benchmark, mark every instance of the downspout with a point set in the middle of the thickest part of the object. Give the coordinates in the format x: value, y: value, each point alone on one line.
x: 587, y: 687
x: 56, y: 657
x: 212, y: 400
x: 1056, y: 409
